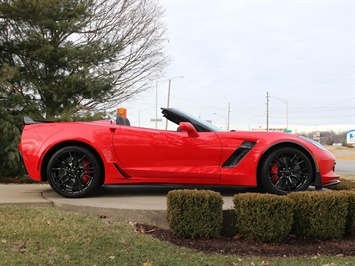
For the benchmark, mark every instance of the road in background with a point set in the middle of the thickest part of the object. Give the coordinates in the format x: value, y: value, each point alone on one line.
x: 345, y: 159
x: 345, y: 167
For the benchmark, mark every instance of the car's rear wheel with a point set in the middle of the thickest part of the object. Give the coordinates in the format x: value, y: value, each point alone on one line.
x: 73, y: 172
x: 286, y: 170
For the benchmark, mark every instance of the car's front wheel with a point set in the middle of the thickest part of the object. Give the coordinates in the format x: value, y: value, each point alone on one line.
x: 286, y: 170
x: 73, y: 171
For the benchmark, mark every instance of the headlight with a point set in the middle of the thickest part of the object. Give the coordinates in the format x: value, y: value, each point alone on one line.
x: 315, y: 143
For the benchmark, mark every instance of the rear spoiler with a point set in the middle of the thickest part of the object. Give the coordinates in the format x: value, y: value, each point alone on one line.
x: 29, y: 121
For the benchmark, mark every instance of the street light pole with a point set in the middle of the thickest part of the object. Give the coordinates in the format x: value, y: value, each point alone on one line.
x: 168, y: 104
x: 156, y: 105
x: 156, y: 100
x: 267, y: 111
x: 229, y: 115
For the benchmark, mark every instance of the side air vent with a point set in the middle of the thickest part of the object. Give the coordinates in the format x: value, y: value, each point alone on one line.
x: 123, y: 173
x: 239, y: 154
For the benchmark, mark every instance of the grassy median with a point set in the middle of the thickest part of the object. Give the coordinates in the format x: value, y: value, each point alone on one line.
x: 47, y: 236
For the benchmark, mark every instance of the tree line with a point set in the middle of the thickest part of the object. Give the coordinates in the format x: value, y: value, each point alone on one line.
x: 329, y: 137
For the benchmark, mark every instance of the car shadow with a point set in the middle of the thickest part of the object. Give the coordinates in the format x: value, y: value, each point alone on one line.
x: 163, y: 190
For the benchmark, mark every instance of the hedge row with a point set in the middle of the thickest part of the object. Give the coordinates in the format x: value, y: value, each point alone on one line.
x: 345, y: 184
x: 263, y: 217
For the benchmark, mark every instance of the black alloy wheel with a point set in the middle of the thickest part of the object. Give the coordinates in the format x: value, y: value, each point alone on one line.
x: 74, y: 172
x: 286, y: 170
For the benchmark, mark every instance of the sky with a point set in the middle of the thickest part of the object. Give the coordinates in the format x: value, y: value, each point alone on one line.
x: 232, y: 53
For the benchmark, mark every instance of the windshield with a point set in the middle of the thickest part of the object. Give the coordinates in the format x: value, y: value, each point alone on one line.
x: 205, y: 123
x: 176, y: 116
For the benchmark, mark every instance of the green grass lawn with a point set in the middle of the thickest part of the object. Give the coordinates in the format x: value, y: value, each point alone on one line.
x: 48, y: 236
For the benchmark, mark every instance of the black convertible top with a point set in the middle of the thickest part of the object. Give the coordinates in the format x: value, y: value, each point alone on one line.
x: 176, y: 116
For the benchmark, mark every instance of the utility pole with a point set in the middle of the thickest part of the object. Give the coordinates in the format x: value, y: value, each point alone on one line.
x: 156, y: 105
x: 229, y: 115
x: 267, y: 111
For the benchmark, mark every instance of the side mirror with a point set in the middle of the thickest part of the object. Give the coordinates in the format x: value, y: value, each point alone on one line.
x: 189, y: 128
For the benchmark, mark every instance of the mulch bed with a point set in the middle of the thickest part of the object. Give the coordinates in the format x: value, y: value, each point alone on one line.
x: 291, y: 246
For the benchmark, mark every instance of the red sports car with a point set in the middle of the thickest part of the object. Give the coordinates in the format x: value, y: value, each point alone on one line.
x: 77, y: 157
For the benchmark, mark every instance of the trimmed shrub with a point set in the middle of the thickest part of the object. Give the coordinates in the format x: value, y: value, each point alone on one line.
x: 195, y: 213
x: 320, y: 214
x: 350, y: 219
x: 263, y: 217
x: 345, y: 184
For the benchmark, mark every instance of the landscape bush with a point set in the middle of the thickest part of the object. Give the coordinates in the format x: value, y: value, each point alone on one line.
x: 320, y: 215
x: 350, y: 219
x: 263, y: 217
x: 195, y: 213
x: 345, y: 184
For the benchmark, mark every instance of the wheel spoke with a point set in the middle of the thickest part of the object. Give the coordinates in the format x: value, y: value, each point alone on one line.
x: 277, y: 184
x: 292, y: 184
x: 61, y: 162
x: 272, y: 175
x: 296, y: 161
x: 71, y: 157
x: 282, y: 183
x: 80, y: 183
x: 63, y: 180
x: 278, y: 162
x: 81, y: 159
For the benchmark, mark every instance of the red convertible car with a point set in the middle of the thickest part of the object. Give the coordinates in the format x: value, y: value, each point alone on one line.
x: 77, y: 157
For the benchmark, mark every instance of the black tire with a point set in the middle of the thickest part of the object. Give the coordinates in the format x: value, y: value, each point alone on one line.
x: 286, y: 170
x: 74, y: 172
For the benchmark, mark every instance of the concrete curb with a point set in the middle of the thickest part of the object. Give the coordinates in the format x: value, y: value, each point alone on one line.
x: 151, y: 217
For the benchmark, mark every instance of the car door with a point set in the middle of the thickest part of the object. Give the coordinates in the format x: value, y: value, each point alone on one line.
x: 149, y: 155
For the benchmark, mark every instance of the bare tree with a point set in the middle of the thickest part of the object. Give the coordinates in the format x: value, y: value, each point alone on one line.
x: 133, y: 27
x: 81, y: 54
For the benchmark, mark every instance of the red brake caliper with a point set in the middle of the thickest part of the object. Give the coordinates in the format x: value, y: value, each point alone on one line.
x: 274, y: 172
x: 85, y: 177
